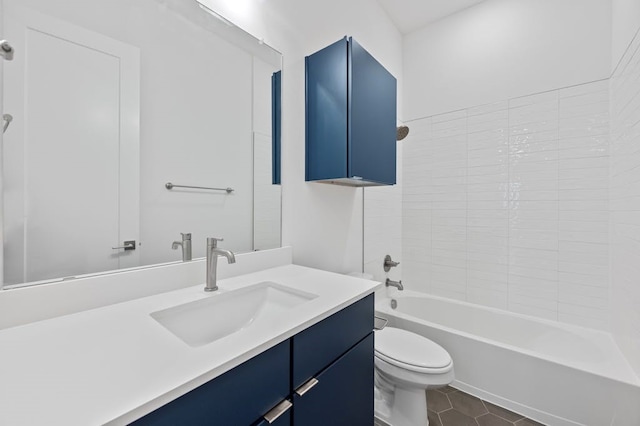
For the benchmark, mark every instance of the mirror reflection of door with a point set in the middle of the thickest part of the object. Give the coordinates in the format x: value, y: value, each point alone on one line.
x: 82, y: 102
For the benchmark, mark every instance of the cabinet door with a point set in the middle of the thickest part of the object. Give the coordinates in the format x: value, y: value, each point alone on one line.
x: 319, y: 345
x: 343, y: 394
x: 326, y: 113
x: 372, y: 118
x: 238, y: 397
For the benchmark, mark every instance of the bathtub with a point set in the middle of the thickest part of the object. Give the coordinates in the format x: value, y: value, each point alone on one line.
x: 551, y: 372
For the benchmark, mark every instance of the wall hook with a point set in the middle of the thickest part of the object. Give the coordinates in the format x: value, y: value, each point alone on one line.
x: 7, y: 118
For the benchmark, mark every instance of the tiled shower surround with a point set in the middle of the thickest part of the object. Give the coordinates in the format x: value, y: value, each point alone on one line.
x: 625, y: 203
x: 506, y: 205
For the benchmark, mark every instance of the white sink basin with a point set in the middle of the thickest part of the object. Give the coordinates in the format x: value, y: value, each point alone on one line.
x: 221, y: 314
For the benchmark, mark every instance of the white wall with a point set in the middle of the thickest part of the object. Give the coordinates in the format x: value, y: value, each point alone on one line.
x: 625, y: 190
x: 501, y: 49
x: 322, y: 222
x: 626, y: 22
x: 383, y: 226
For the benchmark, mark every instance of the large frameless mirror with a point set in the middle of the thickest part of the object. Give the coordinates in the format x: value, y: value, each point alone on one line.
x: 133, y: 122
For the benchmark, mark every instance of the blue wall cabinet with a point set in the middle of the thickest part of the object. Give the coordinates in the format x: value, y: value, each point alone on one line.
x: 350, y: 117
x: 323, y: 375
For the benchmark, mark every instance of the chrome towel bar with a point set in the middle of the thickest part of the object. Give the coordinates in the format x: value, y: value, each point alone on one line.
x: 170, y: 185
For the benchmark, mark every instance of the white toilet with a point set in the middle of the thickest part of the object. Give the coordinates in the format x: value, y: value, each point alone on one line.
x: 406, y: 364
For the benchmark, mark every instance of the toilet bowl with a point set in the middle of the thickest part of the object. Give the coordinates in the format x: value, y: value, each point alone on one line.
x: 406, y: 364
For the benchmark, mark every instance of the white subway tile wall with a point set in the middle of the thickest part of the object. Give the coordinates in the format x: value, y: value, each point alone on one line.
x: 533, y: 205
x: 416, y: 211
x: 448, y: 202
x: 625, y: 203
x: 505, y: 205
x: 487, y: 205
x: 583, y: 260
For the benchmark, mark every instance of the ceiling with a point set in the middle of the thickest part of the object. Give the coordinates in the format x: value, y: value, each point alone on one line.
x: 410, y: 15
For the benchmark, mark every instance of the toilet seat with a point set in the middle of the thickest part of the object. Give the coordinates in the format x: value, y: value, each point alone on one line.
x: 411, y: 351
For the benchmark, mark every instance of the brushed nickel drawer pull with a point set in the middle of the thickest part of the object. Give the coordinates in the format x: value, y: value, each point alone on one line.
x: 277, y: 411
x: 307, y: 386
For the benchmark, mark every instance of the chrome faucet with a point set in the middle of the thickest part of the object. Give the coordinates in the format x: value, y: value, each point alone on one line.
x: 212, y: 262
x: 186, y: 246
x: 391, y: 283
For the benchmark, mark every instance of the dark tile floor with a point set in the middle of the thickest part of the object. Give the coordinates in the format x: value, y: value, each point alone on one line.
x: 451, y: 407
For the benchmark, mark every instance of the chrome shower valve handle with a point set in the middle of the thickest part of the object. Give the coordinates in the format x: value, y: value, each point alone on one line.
x: 388, y: 263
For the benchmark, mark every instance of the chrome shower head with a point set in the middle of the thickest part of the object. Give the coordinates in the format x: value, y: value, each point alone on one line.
x: 401, y: 132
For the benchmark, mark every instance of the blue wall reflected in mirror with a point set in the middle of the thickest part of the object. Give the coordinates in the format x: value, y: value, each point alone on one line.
x: 276, y: 126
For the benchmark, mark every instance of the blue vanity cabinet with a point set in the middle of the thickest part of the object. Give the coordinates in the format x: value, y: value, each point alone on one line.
x: 333, y: 369
x: 326, y: 371
x: 238, y: 397
x: 350, y: 117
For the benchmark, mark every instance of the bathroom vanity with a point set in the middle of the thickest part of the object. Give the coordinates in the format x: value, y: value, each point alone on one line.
x: 308, y: 340
x: 322, y: 375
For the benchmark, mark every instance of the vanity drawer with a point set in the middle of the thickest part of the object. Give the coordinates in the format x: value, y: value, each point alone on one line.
x: 343, y: 392
x: 238, y: 397
x: 318, y: 346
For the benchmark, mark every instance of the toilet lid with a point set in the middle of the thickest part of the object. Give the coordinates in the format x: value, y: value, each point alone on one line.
x: 406, y: 349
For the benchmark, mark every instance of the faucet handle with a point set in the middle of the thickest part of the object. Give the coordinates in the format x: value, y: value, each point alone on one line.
x: 388, y: 263
x: 186, y: 236
x: 213, y: 242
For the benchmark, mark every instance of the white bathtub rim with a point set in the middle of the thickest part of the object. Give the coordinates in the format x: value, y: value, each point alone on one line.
x: 552, y: 323
x: 383, y: 307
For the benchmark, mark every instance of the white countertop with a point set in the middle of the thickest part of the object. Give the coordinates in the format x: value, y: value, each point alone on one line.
x: 115, y: 364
